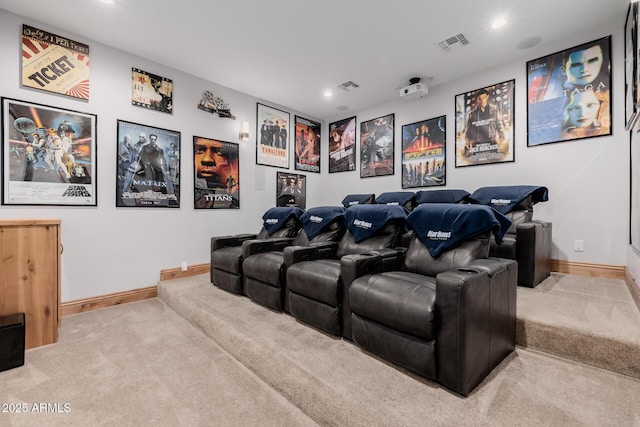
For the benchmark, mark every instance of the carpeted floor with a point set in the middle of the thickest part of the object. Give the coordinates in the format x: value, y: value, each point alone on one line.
x: 227, y: 361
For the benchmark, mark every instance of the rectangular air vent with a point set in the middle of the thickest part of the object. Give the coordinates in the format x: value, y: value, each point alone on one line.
x: 447, y: 44
x: 347, y: 86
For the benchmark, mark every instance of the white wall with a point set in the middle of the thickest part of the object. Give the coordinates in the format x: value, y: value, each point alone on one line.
x: 108, y: 249
x: 588, y: 179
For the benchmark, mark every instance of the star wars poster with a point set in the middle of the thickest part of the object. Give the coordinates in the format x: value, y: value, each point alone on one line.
x: 54, y: 64
x: 216, y: 174
x: 151, y: 91
x: 307, y: 152
x: 291, y: 190
x: 569, y: 94
x: 377, y: 146
x: 272, y: 145
x: 423, y: 153
x: 484, y: 125
x: 342, y: 145
x: 49, y: 155
x: 148, y: 160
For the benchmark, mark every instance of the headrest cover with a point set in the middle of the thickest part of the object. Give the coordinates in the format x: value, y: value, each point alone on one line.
x: 275, y: 218
x: 315, y: 220
x: 444, y: 226
x: 395, y: 198
x: 358, y: 199
x: 441, y: 196
x: 364, y: 220
x: 504, y: 199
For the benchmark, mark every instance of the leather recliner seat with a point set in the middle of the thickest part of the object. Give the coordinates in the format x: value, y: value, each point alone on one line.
x: 450, y: 318
x: 263, y: 267
x: 315, y: 287
x: 527, y: 241
x: 226, y: 251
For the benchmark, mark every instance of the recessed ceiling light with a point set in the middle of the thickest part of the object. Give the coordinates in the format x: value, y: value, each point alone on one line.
x: 107, y: 1
x: 328, y: 94
x: 498, y: 23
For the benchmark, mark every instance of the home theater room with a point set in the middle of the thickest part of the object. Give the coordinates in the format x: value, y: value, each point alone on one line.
x: 320, y: 213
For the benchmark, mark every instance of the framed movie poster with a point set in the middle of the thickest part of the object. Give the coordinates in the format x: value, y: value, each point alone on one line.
x: 484, y: 125
x: 54, y: 64
x: 291, y: 190
x: 377, y: 146
x: 307, y: 152
x: 342, y: 145
x: 272, y: 137
x: 423, y: 153
x: 151, y: 91
x: 216, y: 174
x: 569, y: 94
x: 48, y: 155
x: 630, y: 60
x: 148, y: 173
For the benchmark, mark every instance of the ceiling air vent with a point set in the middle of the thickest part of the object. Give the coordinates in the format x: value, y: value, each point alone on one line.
x: 347, y: 86
x: 447, y: 45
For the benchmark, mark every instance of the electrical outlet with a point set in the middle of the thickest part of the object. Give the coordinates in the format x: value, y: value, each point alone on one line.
x: 184, y: 265
x: 578, y: 245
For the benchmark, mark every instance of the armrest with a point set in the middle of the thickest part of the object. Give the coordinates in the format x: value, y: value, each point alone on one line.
x: 327, y: 249
x: 533, y: 252
x: 227, y: 241
x: 358, y: 265
x: 254, y: 246
x: 476, y: 314
x: 294, y: 254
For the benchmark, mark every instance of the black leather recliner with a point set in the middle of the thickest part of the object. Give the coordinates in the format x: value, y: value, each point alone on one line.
x: 449, y: 316
x: 528, y: 241
x: 442, y: 195
x: 358, y: 199
x: 314, y: 282
x: 406, y: 199
x: 226, y: 251
x: 263, y: 267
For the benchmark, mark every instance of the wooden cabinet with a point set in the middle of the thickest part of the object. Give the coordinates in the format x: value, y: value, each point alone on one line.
x: 30, y: 252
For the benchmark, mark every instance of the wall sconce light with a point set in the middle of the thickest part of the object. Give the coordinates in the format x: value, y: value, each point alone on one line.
x: 244, y: 133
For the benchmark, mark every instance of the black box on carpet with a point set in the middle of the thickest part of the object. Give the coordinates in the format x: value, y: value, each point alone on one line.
x: 12, y: 330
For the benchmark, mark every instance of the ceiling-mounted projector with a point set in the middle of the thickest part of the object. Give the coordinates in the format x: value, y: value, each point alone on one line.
x: 414, y: 90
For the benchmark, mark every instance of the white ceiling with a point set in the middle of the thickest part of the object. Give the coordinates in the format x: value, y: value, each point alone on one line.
x: 289, y: 51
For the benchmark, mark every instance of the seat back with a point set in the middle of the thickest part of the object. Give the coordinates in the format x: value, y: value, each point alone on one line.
x: 521, y: 213
x: 321, y: 224
x: 370, y: 228
x: 358, y: 199
x: 450, y: 235
x: 406, y: 199
x: 418, y: 259
x: 280, y: 222
x: 443, y: 195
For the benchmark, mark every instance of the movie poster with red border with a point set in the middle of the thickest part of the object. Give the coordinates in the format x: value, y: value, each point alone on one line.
x: 216, y: 169
x: 424, y: 153
x: 307, y: 150
x: 342, y: 145
x: 54, y: 64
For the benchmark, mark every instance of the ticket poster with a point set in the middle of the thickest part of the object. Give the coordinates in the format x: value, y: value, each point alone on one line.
x: 54, y: 64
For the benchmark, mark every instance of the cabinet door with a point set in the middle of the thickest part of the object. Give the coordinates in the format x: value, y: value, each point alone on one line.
x: 29, y: 279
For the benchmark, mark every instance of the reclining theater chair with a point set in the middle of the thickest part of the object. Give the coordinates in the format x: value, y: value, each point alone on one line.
x: 263, y: 266
x: 314, y: 284
x: 443, y: 195
x: 406, y: 199
x: 226, y: 251
x: 358, y: 199
x: 527, y: 241
x: 445, y: 311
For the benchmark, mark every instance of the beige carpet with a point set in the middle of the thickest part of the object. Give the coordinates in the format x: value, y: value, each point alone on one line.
x: 244, y: 365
